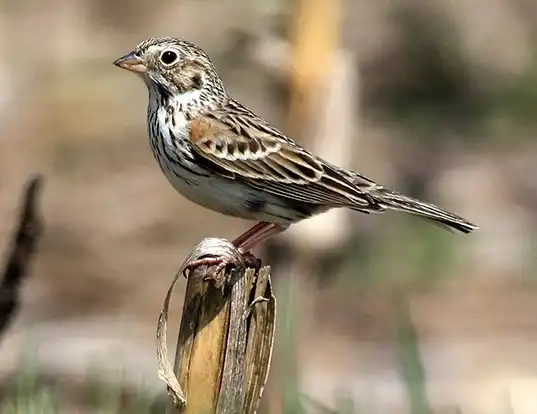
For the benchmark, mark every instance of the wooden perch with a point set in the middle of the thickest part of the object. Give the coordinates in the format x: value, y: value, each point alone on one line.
x: 23, y: 244
x: 225, y: 337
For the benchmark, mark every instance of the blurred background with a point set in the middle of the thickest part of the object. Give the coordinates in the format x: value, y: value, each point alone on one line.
x: 377, y: 314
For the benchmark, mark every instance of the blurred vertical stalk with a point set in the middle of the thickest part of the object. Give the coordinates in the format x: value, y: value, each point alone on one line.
x: 322, y: 111
x: 288, y: 327
x: 314, y: 36
x: 411, y: 363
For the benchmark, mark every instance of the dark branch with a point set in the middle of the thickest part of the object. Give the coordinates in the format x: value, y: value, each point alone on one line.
x: 23, y: 245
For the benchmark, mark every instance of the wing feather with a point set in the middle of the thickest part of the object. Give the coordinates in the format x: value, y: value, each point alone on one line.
x: 253, y: 154
x: 249, y: 148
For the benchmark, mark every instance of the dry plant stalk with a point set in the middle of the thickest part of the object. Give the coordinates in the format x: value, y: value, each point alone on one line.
x: 314, y: 34
x: 23, y: 247
x: 225, y: 340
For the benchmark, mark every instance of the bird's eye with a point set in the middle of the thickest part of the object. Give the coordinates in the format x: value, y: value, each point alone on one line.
x: 168, y: 57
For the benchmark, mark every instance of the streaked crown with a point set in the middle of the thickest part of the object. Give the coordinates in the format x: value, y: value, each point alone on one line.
x: 174, y: 67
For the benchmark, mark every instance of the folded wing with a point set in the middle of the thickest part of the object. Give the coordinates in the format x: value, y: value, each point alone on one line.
x: 249, y: 149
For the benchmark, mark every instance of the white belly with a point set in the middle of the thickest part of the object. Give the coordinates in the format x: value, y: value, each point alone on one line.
x: 217, y: 194
x: 227, y: 196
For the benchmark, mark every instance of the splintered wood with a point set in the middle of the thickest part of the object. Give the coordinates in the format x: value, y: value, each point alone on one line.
x: 225, y: 340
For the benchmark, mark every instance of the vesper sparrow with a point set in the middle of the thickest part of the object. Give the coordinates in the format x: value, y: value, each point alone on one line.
x: 220, y: 155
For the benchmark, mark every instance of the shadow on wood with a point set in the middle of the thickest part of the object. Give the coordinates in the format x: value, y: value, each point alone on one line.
x: 225, y: 340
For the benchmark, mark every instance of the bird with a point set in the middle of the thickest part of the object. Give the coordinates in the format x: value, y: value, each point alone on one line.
x: 222, y: 156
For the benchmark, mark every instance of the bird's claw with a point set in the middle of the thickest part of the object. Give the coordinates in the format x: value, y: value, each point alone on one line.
x: 206, y: 261
x: 217, y: 266
x: 216, y: 272
x: 251, y: 261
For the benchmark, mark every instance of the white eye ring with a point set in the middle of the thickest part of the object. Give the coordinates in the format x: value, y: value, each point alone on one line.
x: 168, y: 57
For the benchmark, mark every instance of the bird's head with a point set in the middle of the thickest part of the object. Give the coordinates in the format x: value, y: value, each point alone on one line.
x: 174, y: 67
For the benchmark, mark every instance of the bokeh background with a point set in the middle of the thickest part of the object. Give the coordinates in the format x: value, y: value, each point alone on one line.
x: 377, y: 314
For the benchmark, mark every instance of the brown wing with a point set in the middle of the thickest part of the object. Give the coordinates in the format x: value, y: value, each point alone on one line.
x: 252, y: 153
x: 250, y: 149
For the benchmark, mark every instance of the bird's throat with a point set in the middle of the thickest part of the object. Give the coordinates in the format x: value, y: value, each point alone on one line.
x: 186, y: 101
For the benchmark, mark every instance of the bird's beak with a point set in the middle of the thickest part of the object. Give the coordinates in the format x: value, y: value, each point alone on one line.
x: 131, y: 62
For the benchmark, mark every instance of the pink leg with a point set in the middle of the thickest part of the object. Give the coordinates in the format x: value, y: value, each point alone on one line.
x: 259, y: 227
x: 245, y: 242
x: 257, y: 234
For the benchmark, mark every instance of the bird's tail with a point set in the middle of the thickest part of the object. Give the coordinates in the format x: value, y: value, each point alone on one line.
x: 394, y: 201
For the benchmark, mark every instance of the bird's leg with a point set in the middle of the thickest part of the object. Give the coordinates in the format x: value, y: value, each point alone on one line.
x: 251, y: 232
x: 257, y: 234
x: 244, y: 243
x: 248, y: 240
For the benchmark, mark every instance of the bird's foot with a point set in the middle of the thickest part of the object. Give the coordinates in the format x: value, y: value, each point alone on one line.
x: 250, y: 260
x: 217, y: 268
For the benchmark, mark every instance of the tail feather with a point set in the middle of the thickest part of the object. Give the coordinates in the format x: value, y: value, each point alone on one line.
x: 394, y: 201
